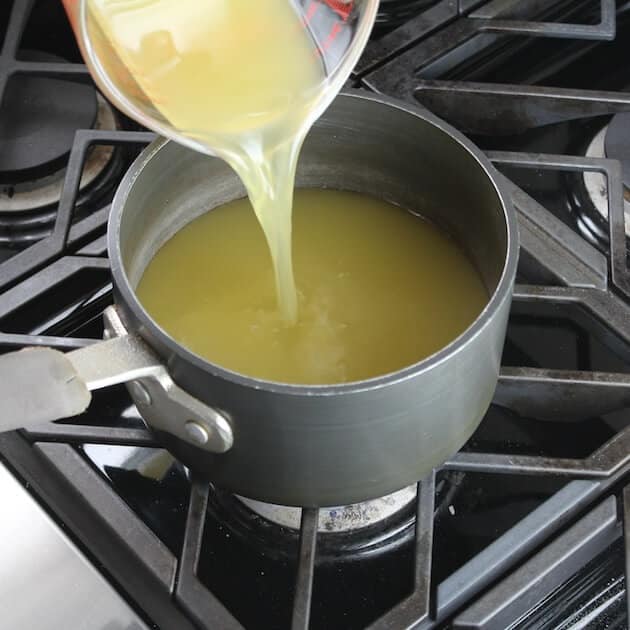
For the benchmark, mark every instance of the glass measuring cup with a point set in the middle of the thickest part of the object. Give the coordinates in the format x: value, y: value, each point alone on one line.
x: 337, y: 29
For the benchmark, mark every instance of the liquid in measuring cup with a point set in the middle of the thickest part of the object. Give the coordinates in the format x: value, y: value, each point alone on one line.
x: 240, y: 78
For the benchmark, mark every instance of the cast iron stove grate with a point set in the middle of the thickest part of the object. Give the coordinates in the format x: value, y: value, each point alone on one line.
x: 54, y: 291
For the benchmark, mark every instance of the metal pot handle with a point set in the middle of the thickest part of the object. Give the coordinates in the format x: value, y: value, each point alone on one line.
x: 41, y: 384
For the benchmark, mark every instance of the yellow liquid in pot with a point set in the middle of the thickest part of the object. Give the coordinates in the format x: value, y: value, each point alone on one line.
x: 379, y: 289
x: 240, y: 77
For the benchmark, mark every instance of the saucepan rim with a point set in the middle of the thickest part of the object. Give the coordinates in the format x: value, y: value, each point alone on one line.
x: 502, y: 291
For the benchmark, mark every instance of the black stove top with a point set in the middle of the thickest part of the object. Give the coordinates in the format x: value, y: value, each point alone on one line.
x: 528, y: 526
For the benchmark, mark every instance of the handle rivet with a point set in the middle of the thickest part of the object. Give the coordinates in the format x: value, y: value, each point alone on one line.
x: 140, y: 393
x: 197, y: 433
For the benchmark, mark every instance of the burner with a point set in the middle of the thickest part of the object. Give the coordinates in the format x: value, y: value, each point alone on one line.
x: 38, y: 118
x: 349, y: 532
x: 365, y: 528
x: 45, y: 191
x: 338, y: 519
x: 595, y: 225
x: 28, y: 208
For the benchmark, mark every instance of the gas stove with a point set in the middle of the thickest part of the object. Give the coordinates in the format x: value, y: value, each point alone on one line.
x: 527, y: 527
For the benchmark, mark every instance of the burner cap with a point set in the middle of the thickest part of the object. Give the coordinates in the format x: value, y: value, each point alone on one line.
x: 617, y: 144
x: 340, y: 519
x: 38, y: 119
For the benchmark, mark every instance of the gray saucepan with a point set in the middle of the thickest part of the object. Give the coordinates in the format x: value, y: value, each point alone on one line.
x: 280, y: 443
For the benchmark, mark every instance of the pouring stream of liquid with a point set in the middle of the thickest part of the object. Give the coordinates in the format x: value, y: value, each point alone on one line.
x: 241, y: 78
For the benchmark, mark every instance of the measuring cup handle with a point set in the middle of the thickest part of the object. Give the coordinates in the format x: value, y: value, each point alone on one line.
x: 41, y: 384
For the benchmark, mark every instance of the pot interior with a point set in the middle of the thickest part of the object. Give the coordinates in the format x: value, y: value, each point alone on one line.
x: 359, y: 145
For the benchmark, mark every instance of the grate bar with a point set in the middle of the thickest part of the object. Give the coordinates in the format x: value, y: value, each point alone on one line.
x: 522, y: 464
x: 424, y: 540
x: 464, y: 37
x: 398, y: 76
x: 39, y: 254
x: 55, y: 274
x: 626, y: 540
x: 89, y: 137
x: 511, y: 547
x: 500, y: 109
x: 604, y: 30
x: 76, y: 493
x: 563, y: 255
x: 15, y: 341
x: 306, y: 569
x: 416, y: 608
x: 561, y: 395
x: 93, y: 225
x: 468, y: 5
x: 611, y: 169
x: 116, y: 514
x: 27, y: 261
x: 53, y: 70
x: 9, y: 66
x: 20, y: 12
x: 547, y: 570
x: 85, y: 434
x: 98, y: 247
x: 70, y: 190
x: 382, y: 50
x: 604, y: 462
x: 200, y: 603
x: 606, y: 307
